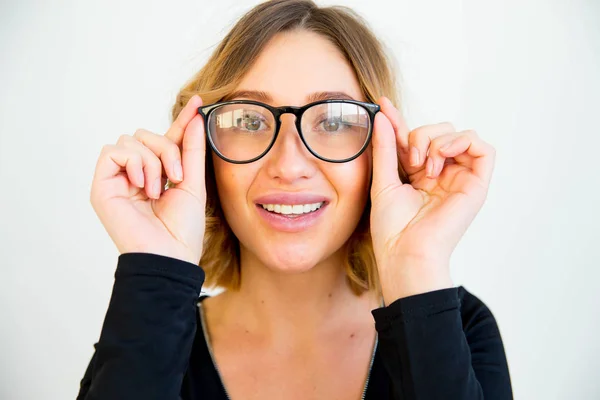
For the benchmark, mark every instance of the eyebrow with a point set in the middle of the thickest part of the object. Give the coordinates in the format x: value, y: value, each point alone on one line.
x: 267, y: 98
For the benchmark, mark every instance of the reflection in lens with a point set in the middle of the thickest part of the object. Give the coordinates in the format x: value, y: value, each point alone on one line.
x: 336, y: 131
x: 241, y: 132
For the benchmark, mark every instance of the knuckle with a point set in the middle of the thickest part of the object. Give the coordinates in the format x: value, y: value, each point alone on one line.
x: 154, y: 164
x: 422, y: 135
x: 140, y: 132
x: 393, y: 115
x: 413, y: 136
x: 178, y: 123
x: 136, y: 158
x: 174, y: 151
x: 164, y: 145
x: 439, y: 141
x: 106, y: 149
x: 124, y: 138
x: 448, y: 126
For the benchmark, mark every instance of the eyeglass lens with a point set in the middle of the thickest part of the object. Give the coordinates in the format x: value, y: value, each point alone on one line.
x: 334, y: 131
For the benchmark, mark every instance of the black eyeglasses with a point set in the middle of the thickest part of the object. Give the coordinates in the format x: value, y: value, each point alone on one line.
x: 243, y: 131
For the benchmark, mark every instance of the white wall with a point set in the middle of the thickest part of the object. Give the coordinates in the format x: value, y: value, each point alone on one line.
x: 75, y: 75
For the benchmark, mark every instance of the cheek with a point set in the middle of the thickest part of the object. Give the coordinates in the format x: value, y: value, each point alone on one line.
x: 351, y: 182
x: 232, y: 182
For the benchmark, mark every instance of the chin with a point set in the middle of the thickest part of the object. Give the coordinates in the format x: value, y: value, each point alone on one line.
x: 291, y: 261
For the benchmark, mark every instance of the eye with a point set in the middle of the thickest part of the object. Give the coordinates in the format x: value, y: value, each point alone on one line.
x: 252, y: 122
x: 331, y: 124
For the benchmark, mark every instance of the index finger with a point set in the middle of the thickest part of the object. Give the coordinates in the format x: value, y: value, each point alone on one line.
x: 397, y: 120
x: 177, y: 129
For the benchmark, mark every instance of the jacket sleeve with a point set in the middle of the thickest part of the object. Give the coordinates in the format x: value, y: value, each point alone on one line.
x: 443, y: 344
x: 146, y: 338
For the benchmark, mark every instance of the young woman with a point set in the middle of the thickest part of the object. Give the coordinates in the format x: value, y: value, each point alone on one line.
x: 328, y: 222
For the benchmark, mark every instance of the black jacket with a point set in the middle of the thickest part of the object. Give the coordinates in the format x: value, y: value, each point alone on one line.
x: 443, y: 344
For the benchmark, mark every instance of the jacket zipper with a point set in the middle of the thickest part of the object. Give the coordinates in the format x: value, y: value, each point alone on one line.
x: 210, y: 350
x: 370, y: 367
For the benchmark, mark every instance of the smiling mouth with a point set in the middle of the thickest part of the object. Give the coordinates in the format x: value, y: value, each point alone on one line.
x: 294, y: 210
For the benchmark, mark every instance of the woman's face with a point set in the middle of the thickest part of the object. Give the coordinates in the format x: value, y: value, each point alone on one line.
x: 292, y: 70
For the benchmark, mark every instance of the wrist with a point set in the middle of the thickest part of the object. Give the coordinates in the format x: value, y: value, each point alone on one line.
x: 408, y: 277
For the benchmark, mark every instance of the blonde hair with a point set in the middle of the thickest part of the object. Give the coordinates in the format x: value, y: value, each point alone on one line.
x: 220, y: 76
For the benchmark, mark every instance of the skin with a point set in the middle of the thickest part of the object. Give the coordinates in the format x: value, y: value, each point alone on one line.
x: 295, y: 311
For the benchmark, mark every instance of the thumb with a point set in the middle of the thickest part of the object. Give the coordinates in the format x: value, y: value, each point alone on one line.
x: 385, y: 155
x: 193, y: 153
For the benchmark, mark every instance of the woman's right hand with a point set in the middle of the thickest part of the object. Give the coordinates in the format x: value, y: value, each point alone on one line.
x: 127, y: 190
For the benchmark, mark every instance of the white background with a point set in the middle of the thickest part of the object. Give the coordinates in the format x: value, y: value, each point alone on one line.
x: 75, y: 75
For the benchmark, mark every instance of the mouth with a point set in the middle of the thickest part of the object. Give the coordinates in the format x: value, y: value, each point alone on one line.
x: 292, y: 210
x: 291, y: 218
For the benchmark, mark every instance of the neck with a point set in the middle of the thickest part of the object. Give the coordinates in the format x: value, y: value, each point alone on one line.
x: 300, y: 306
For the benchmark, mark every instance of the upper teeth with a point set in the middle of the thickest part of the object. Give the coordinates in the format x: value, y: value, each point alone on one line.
x: 292, y: 209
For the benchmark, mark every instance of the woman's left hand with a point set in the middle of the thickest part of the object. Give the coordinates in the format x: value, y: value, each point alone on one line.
x: 415, y: 226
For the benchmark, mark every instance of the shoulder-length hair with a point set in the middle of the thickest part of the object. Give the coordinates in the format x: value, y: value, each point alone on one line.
x: 220, y: 76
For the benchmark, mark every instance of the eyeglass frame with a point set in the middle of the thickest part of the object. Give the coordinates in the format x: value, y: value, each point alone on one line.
x: 371, y: 108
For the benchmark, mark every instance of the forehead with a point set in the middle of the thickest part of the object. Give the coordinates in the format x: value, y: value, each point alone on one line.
x: 297, y: 64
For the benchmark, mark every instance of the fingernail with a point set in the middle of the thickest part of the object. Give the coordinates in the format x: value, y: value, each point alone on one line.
x: 429, y: 167
x: 439, y: 169
x: 178, y: 170
x: 414, y: 156
x: 141, y: 179
x: 156, y: 188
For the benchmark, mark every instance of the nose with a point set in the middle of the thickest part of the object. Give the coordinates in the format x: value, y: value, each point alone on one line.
x: 289, y: 160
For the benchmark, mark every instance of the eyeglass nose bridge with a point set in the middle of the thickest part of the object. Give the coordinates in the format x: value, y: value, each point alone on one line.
x: 278, y: 112
x: 288, y: 110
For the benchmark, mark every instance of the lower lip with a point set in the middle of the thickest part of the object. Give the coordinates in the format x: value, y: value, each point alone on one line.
x: 283, y: 223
